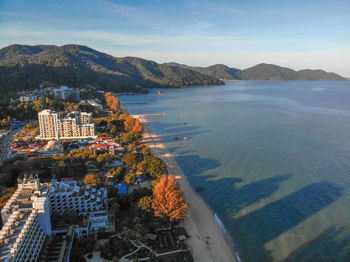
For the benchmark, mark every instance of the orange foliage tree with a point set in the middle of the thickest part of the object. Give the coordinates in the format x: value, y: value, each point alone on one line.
x: 130, y: 123
x: 169, y: 201
x: 92, y: 180
x: 113, y: 102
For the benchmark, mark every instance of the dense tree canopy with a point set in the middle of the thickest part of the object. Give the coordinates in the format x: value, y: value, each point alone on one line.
x: 130, y: 178
x: 131, y: 137
x: 145, y: 203
x: 152, y: 166
x: 130, y: 159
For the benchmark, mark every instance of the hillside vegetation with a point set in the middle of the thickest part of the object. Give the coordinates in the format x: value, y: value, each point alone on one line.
x: 26, y: 67
x: 262, y: 72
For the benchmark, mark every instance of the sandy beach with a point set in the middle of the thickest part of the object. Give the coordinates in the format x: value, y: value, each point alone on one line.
x: 207, y: 241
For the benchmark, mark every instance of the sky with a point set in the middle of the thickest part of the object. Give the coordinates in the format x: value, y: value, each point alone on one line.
x: 297, y: 34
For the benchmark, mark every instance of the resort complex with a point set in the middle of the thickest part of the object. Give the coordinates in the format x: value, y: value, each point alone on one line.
x: 75, y: 125
x: 32, y: 215
x: 78, y: 196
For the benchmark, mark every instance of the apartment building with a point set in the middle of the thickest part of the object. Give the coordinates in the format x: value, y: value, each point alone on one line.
x: 28, y: 214
x: 48, y: 124
x: 75, y: 125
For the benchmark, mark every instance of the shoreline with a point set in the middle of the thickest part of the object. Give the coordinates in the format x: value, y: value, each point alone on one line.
x: 207, y: 240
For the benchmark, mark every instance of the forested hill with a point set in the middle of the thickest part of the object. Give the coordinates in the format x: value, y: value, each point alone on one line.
x: 262, y: 72
x: 26, y: 67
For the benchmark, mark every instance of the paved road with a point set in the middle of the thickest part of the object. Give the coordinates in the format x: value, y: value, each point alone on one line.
x: 5, y: 145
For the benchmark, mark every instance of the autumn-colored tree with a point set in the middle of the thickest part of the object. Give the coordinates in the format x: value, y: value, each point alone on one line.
x: 137, y: 127
x: 113, y: 102
x: 169, y: 201
x: 129, y: 123
x: 130, y: 178
x: 130, y: 159
x: 152, y: 166
x: 145, y: 203
x: 92, y: 180
x: 124, y: 116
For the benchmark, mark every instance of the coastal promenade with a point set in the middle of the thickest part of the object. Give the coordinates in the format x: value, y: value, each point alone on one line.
x: 207, y: 242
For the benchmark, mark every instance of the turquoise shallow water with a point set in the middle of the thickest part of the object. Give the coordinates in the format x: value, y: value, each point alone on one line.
x: 274, y: 158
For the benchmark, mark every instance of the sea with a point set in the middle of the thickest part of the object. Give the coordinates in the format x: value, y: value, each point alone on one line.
x: 273, y: 158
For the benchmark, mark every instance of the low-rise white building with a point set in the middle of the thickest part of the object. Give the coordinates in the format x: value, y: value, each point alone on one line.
x: 66, y: 93
x: 28, y: 98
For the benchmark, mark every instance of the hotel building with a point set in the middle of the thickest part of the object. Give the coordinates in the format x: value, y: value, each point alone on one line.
x: 28, y: 214
x: 75, y: 125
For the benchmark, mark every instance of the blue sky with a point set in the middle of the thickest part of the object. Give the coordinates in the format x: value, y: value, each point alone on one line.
x: 297, y: 34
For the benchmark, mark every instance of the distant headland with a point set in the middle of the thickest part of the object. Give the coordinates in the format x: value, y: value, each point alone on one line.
x: 268, y: 72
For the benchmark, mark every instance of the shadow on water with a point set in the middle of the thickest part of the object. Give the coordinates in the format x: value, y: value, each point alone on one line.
x: 253, y: 230
x: 196, y: 164
x: 247, y: 194
x: 260, y: 226
x: 327, y: 246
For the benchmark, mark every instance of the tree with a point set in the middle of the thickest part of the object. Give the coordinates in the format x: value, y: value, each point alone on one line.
x: 138, y: 127
x: 129, y: 123
x: 40, y: 104
x: 130, y: 178
x: 131, y: 137
x: 113, y: 102
x: 92, y: 180
x: 102, y: 157
x: 130, y: 159
x: 169, y: 202
x: 145, y: 204
x: 152, y: 166
x: 144, y: 150
x: 118, y: 173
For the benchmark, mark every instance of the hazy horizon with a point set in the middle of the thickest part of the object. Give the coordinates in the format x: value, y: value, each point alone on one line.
x: 298, y: 35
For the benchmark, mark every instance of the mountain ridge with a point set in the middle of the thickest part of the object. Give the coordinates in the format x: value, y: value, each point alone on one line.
x: 263, y: 71
x: 26, y: 67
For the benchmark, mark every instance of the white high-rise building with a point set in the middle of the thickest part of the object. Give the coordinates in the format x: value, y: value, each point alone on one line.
x: 49, y: 124
x: 28, y: 214
x: 75, y: 125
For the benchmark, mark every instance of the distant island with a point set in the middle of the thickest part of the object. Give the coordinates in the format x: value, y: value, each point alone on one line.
x: 262, y: 72
x: 24, y: 67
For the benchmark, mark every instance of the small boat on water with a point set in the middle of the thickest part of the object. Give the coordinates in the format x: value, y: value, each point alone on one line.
x: 176, y: 138
x: 185, y: 124
x: 160, y: 93
x: 185, y: 138
x: 199, y: 188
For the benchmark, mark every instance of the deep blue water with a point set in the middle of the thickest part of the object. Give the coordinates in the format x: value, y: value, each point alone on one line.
x: 274, y: 158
